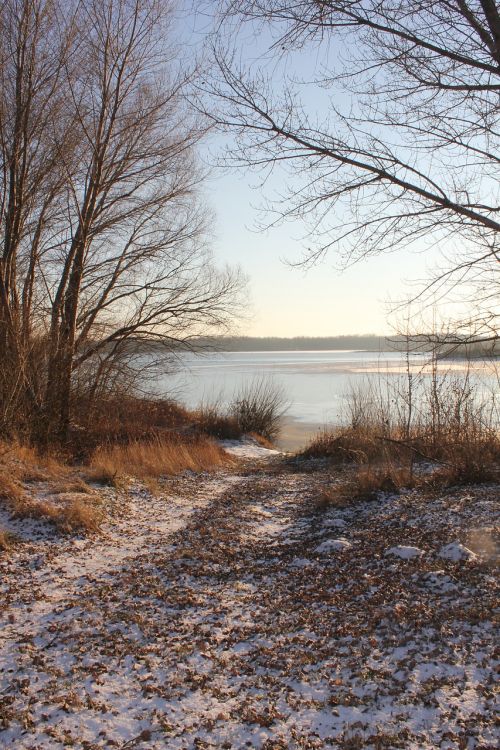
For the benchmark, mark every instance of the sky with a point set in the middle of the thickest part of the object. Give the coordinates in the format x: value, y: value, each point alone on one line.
x: 285, y: 300
x: 290, y: 301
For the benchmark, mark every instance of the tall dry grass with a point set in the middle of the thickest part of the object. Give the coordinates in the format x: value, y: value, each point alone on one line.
x: 154, y: 458
x: 6, y: 541
x: 442, y: 418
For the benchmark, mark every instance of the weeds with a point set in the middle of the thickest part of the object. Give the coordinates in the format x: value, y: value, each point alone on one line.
x: 439, y: 418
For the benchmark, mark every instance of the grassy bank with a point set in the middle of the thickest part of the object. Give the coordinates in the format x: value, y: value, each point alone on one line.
x: 117, y: 440
x: 435, y: 433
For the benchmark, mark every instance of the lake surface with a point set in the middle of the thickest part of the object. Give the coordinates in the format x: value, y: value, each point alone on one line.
x: 316, y: 383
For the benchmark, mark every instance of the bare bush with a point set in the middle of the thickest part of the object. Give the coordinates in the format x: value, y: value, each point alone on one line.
x: 212, y: 419
x: 259, y: 407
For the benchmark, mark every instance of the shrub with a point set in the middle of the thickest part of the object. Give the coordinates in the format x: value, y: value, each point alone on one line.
x: 259, y: 407
x: 211, y: 420
x: 345, y: 445
x: 453, y: 427
x: 124, y: 419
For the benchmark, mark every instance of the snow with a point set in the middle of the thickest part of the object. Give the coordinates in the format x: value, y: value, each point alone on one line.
x: 247, y: 447
x: 332, y: 545
x: 405, y: 553
x: 456, y: 552
x: 204, y: 617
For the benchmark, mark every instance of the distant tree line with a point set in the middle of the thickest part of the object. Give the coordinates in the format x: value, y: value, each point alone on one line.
x: 367, y: 342
x: 364, y: 342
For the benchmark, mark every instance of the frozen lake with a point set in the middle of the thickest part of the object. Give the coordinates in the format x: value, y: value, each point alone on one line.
x: 316, y: 383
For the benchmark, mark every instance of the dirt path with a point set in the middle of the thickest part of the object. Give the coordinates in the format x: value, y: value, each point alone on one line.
x: 224, y: 614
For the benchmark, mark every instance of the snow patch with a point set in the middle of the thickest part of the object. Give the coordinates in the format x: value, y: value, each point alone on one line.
x: 332, y: 545
x: 456, y: 552
x: 247, y: 448
x: 405, y: 553
x: 337, y: 523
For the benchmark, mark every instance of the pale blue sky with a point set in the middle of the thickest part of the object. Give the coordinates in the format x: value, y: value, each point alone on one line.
x: 289, y: 301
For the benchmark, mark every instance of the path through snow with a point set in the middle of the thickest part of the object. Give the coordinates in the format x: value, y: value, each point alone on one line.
x: 225, y: 614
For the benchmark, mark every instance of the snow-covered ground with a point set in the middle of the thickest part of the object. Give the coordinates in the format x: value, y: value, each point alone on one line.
x: 224, y: 613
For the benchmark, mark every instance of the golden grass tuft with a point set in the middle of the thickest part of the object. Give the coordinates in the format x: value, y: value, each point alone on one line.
x: 27, y: 464
x: 11, y: 492
x: 146, y: 460
x: 73, y: 508
x: 70, y: 513
x: 79, y: 514
x: 74, y: 485
x: 6, y: 541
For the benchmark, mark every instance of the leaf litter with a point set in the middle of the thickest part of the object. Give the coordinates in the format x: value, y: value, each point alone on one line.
x: 221, y: 613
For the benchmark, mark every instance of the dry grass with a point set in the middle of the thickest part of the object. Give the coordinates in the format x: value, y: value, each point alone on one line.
x: 6, y: 541
x: 79, y: 514
x: 211, y: 420
x: 74, y: 485
x: 454, y: 433
x: 74, y: 507
x: 27, y: 464
x: 432, y: 416
x: 71, y: 512
x: 470, y: 457
x: 123, y: 419
x: 365, y: 484
x: 345, y: 445
x: 11, y: 490
x: 150, y: 459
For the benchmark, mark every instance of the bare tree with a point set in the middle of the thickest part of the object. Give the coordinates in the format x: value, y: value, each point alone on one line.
x: 110, y: 247
x: 408, y: 149
x: 33, y: 133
